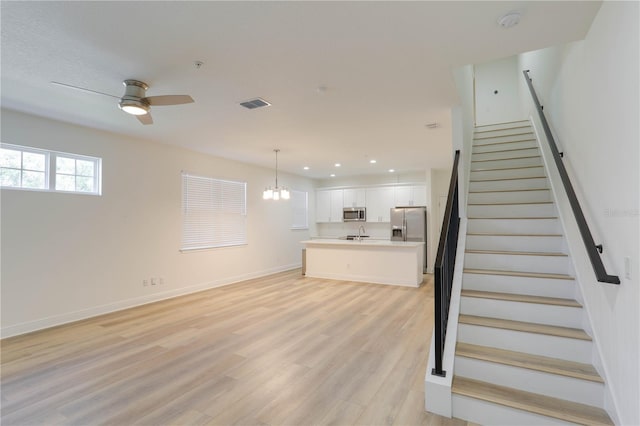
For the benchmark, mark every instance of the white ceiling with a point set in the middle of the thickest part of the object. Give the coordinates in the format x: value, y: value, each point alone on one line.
x: 386, y: 67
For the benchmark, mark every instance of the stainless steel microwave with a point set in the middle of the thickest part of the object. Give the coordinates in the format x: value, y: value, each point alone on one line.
x: 354, y: 214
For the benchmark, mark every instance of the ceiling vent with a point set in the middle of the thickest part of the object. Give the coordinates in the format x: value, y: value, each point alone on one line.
x: 255, y: 103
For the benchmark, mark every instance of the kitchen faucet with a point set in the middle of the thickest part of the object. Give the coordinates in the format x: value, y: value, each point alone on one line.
x: 360, y: 232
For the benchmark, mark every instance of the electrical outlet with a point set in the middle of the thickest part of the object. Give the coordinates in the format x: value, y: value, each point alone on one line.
x: 627, y: 267
x: 145, y: 283
x: 154, y: 281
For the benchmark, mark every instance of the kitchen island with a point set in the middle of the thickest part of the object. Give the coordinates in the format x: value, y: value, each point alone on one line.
x: 373, y: 261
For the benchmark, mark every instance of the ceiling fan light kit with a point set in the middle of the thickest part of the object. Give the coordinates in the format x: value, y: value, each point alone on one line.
x: 135, y: 100
x: 276, y: 193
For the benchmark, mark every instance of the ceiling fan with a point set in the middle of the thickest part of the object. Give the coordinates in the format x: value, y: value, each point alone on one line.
x: 135, y: 102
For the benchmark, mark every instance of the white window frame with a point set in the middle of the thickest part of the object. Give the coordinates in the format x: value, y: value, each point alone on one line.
x: 47, y: 166
x: 299, y: 209
x: 51, y: 158
x: 214, y: 213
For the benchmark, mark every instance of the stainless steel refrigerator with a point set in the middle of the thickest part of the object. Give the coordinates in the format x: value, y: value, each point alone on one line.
x: 410, y: 224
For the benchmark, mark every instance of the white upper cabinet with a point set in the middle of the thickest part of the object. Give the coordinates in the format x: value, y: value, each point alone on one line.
x: 354, y: 197
x: 379, y: 204
x: 329, y: 205
x: 414, y: 195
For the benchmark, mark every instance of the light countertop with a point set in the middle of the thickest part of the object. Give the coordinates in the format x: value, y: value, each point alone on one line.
x: 365, y: 242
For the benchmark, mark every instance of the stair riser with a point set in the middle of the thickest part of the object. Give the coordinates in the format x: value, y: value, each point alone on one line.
x: 537, y: 244
x: 564, y: 289
x: 482, y: 173
x: 510, y: 197
x: 561, y: 316
x: 485, y: 133
x: 487, y: 413
x: 554, y: 385
x: 520, y: 263
x: 512, y: 210
x: 481, y: 139
x: 512, y: 226
x: 530, y: 143
x: 478, y: 184
x: 505, y: 154
x: 538, y: 344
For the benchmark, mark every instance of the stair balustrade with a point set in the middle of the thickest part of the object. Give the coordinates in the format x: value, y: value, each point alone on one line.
x: 444, y: 265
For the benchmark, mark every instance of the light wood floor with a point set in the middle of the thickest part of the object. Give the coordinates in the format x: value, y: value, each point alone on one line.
x: 277, y: 350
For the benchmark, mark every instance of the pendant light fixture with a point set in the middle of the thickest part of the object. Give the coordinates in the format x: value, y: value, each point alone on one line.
x: 277, y: 192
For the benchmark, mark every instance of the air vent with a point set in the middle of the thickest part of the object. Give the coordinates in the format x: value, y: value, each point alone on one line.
x: 255, y: 103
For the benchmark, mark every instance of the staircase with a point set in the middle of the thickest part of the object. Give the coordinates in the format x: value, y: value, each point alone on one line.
x: 522, y: 356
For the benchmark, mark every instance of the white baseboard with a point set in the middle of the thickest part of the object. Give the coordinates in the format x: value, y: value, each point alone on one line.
x: 52, y: 321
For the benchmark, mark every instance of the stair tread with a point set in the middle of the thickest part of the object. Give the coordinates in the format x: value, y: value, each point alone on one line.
x: 505, y: 168
x: 506, y: 150
x: 509, y: 190
x: 517, y: 253
x: 505, y: 159
x: 524, y: 298
x: 503, y: 142
x: 518, y: 273
x: 501, y: 130
x: 513, y: 178
x: 510, y: 203
x: 545, y: 364
x: 502, y: 136
x: 526, y: 327
x: 502, y: 234
x: 516, y: 218
x: 524, y: 120
x: 532, y: 402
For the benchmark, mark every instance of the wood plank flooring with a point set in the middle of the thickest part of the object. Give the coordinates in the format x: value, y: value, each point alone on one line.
x: 283, y: 349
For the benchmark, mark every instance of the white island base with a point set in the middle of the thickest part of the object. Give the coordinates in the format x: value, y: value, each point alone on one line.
x: 372, y: 261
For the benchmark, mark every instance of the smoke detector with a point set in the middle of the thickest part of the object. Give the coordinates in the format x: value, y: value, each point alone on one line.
x: 509, y: 20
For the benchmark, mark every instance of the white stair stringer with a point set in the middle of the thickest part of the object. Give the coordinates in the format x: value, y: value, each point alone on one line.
x: 519, y: 296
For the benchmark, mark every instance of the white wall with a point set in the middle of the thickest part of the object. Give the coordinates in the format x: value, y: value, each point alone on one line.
x: 67, y: 256
x: 590, y: 90
x: 504, y: 106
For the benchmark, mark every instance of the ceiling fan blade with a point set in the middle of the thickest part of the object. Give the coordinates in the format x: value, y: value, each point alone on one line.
x: 145, y: 119
x: 169, y: 100
x: 69, y: 86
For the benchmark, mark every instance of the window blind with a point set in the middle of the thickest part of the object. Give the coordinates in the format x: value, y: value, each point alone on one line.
x: 214, y: 212
x: 300, y: 213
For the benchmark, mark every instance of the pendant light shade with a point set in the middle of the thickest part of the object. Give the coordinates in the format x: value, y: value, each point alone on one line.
x: 276, y: 193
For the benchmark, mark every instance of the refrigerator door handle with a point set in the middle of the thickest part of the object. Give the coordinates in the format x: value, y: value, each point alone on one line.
x: 404, y: 230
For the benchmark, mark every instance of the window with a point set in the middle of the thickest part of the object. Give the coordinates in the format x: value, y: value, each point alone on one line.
x: 299, y: 207
x: 76, y: 173
x: 23, y: 167
x: 214, y: 212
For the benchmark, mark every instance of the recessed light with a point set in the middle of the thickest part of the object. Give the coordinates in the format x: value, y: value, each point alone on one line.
x: 338, y: 164
x: 332, y: 175
x: 306, y: 167
x: 391, y: 170
x: 373, y: 161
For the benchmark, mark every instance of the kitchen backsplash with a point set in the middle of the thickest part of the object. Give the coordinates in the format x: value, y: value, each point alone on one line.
x: 337, y: 230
